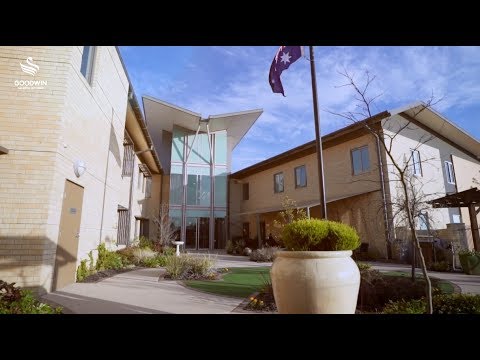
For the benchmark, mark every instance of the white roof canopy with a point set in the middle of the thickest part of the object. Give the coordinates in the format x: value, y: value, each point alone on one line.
x: 161, y: 115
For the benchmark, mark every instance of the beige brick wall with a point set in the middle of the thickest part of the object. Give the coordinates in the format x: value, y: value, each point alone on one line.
x: 339, y: 178
x: 30, y: 125
x: 46, y: 131
x: 339, y: 183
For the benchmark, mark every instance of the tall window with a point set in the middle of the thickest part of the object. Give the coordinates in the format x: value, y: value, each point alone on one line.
x: 449, y: 172
x: 128, y: 156
x: 148, y: 187
x: 246, y: 191
x: 88, y: 57
x: 360, y: 160
x: 123, y: 228
x: 423, y: 221
x: 300, y: 176
x: 278, y: 182
x: 416, y: 163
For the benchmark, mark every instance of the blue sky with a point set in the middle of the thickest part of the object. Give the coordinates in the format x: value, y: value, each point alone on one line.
x: 213, y: 80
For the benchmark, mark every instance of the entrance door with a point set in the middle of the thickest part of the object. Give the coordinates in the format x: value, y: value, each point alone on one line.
x: 196, y: 233
x: 69, y: 232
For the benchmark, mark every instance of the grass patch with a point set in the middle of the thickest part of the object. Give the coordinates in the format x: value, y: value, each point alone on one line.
x: 238, y: 282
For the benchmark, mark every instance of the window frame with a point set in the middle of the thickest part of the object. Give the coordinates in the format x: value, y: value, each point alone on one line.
x: 148, y: 187
x: 412, y: 154
x: 89, y: 65
x: 295, y: 173
x: 352, y: 161
x: 275, y: 183
x: 246, y: 186
x: 448, y: 172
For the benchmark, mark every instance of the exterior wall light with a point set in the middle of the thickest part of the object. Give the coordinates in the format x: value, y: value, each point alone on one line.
x: 79, y: 167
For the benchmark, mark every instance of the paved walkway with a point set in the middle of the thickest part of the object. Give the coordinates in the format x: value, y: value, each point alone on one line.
x: 140, y: 292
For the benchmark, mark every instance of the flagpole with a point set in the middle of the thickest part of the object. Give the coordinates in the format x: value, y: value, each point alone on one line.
x: 318, y: 139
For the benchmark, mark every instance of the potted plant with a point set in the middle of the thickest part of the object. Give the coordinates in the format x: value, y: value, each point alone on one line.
x: 316, y: 274
x: 470, y: 261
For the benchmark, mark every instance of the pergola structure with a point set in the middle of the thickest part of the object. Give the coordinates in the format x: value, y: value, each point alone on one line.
x: 468, y: 198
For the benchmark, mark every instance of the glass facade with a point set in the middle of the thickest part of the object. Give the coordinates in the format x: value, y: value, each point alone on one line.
x: 198, y: 187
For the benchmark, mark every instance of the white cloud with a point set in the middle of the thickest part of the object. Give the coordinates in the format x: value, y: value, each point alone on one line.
x: 403, y: 75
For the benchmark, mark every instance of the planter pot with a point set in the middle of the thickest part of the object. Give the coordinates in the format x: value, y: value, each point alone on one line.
x: 470, y: 264
x: 315, y: 282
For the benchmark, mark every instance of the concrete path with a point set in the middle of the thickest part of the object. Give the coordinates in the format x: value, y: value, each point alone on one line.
x: 140, y: 292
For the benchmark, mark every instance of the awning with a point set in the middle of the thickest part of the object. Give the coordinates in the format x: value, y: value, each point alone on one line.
x: 468, y: 198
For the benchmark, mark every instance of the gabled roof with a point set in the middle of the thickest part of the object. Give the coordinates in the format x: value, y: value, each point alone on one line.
x: 427, y: 118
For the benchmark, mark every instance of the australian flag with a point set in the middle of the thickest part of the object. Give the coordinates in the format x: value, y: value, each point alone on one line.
x: 286, y: 55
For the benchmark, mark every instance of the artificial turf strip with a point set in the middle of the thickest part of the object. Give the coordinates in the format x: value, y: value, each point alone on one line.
x: 238, y: 282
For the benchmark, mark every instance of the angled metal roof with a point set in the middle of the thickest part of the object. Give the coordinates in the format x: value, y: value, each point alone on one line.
x: 161, y: 115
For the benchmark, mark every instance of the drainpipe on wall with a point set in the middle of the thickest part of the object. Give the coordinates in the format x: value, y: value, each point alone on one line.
x: 384, y: 196
x: 105, y: 182
x: 130, y: 199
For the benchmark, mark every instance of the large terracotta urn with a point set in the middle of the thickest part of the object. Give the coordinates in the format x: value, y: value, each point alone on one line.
x: 315, y: 282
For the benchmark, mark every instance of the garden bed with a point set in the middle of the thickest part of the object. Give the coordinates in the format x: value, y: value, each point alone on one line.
x: 104, y: 274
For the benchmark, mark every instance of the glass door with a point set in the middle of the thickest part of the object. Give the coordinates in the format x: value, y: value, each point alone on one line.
x: 197, y: 233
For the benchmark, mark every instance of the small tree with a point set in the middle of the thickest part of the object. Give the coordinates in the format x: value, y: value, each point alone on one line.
x: 408, y: 201
x: 165, y: 229
x: 290, y: 212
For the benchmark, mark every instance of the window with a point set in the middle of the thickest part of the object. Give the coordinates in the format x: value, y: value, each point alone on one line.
x: 416, y: 163
x: 278, y: 182
x: 423, y: 221
x: 300, y: 176
x: 128, y: 156
x: 246, y: 191
x: 139, y: 184
x: 246, y: 230
x: 144, y: 228
x: 360, y: 160
x: 123, y: 228
x: 148, y: 189
x: 449, y: 172
x: 87, y: 62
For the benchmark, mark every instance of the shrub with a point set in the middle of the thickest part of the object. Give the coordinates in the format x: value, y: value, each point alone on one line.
x: 363, y: 266
x: 141, y: 254
x: 127, y: 255
x: 201, y: 265
x: 439, y: 266
x: 150, y: 262
x: 187, y: 266
x: 377, y: 289
x: 14, y: 300
x: 415, y: 306
x: 442, y: 304
x: 319, y: 235
x: 229, y: 247
x: 176, y: 266
x: 266, y: 254
x: 144, y: 242
x: 168, y: 251
x: 456, y: 304
x: 82, y: 271
x: 108, y: 259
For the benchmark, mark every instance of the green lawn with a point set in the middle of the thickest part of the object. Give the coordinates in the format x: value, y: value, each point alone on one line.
x: 241, y: 282
x: 238, y: 282
x: 444, y: 285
